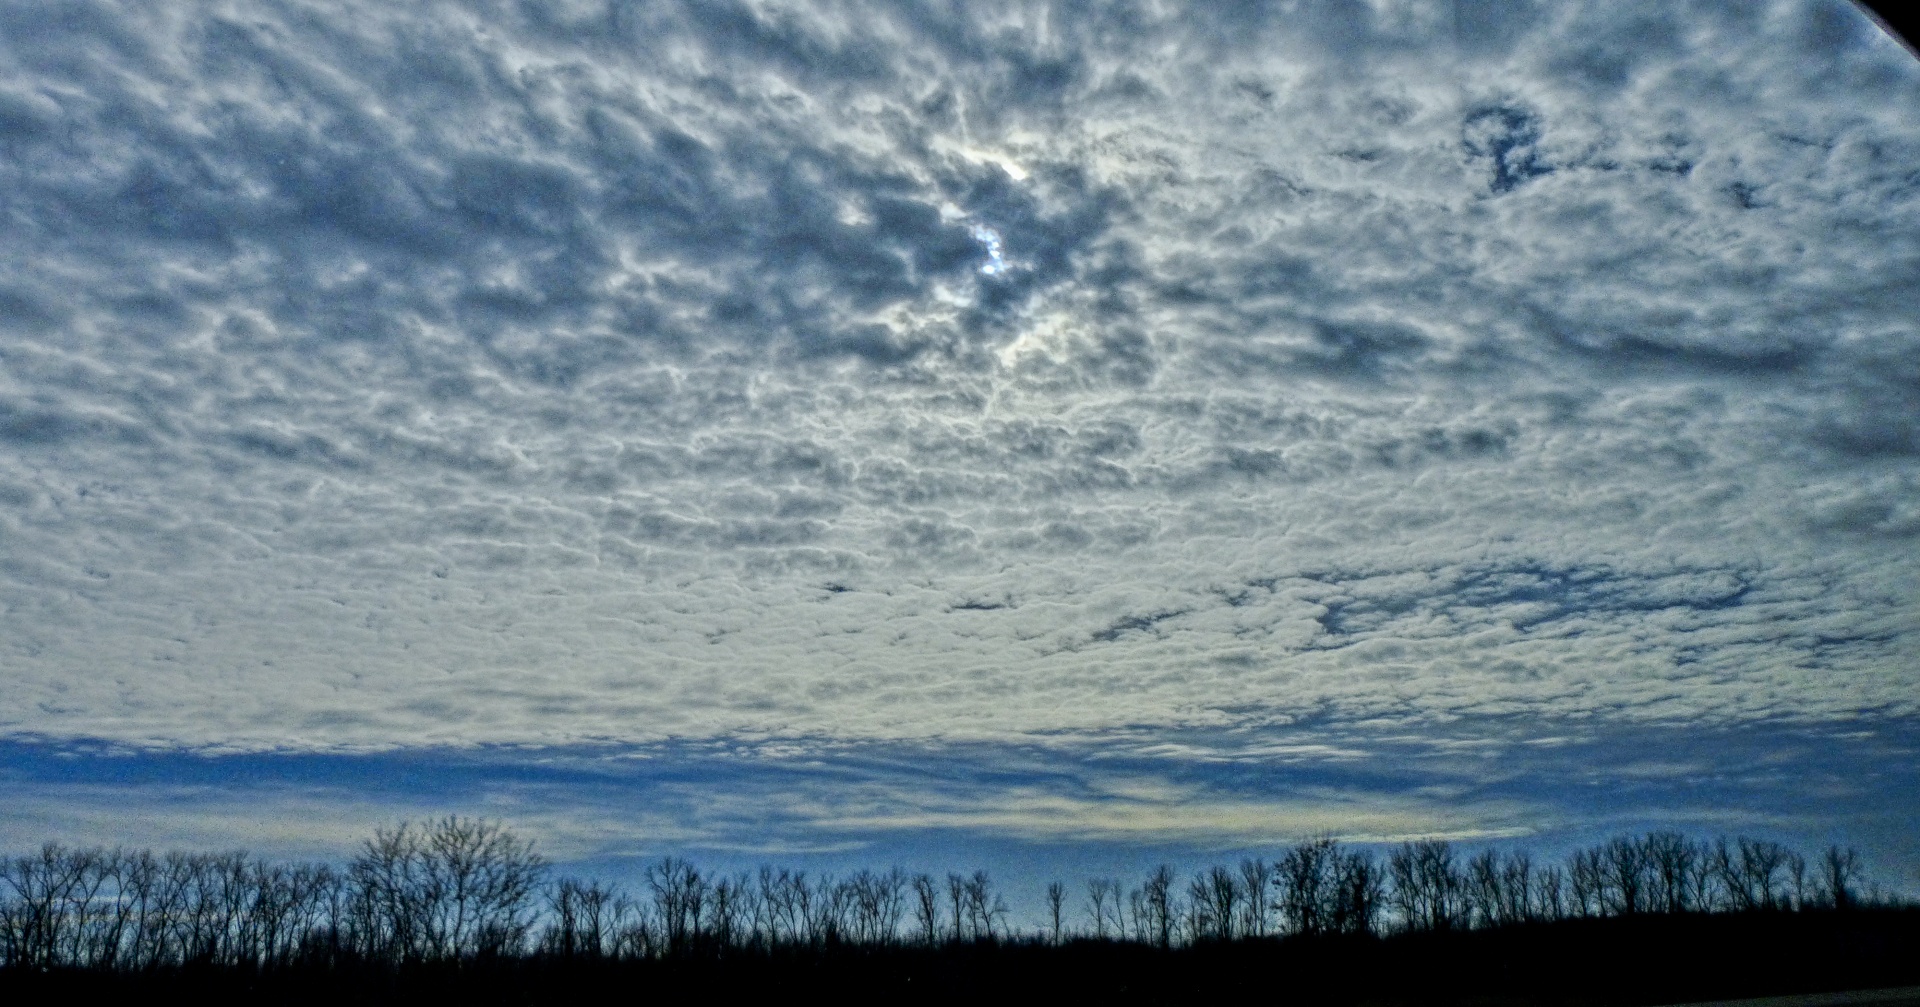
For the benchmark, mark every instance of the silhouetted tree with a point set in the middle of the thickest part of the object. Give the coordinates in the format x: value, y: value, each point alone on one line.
x: 1425, y: 885
x: 1482, y: 890
x: 1798, y: 880
x: 1624, y: 876
x: 679, y: 901
x: 984, y: 908
x: 730, y: 912
x: 1550, y: 894
x: 1586, y: 882
x: 831, y: 905
x: 1056, y: 909
x: 1839, y: 876
x: 1673, y: 860
x: 876, y: 902
x: 40, y: 888
x: 584, y: 919
x: 1516, y: 889
x: 957, y: 899
x: 1155, y: 908
x: 1103, y: 904
x: 1256, y: 879
x: 1750, y: 872
x: 458, y: 891
x: 1307, y: 887
x: 926, y: 908
x: 786, y: 903
x: 1358, y: 892
x: 455, y: 888
x: 1213, y: 899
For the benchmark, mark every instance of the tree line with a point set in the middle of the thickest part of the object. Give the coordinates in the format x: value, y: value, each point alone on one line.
x: 459, y: 890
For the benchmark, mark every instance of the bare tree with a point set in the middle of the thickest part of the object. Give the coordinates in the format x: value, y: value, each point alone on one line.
x: 1624, y: 874
x: 1750, y: 872
x: 1305, y: 877
x: 143, y: 892
x: 221, y: 891
x: 1586, y: 882
x: 984, y: 908
x: 1673, y: 860
x: 491, y: 878
x: 1839, y: 876
x: 957, y: 898
x: 1056, y: 909
x: 786, y: 904
x: 1425, y: 885
x: 1139, y: 917
x: 1358, y: 893
x: 455, y: 888
x: 1103, y: 903
x: 83, y: 910
x: 1550, y: 894
x: 1705, y: 891
x: 39, y: 889
x: 388, y: 911
x: 1256, y: 878
x: 926, y: 908
x: 876, y: 902
x: 1156, y: 905
x: 1498, y: 891
x: 1516, y: 884
x: 1761, y: 864
x: 1483, y: 891
x: 730, y: 912
x: 1213, y: 901
x: 109, y: 909
x: 831, y: 906
x: 584, y: 919
x: 679, y: 901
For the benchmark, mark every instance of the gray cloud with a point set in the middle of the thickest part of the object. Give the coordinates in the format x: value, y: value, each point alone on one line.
x: 542, y: 373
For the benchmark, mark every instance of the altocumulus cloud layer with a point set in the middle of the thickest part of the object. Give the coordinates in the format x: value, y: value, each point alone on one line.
x: 1176, y: 378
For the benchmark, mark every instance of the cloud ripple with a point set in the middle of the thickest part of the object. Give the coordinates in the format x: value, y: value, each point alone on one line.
x: 459, y: 373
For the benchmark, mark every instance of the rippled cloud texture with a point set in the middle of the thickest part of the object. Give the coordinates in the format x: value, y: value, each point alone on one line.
x: 1219, y: 383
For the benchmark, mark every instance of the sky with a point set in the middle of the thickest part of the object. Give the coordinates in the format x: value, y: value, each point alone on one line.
x: 1049, y: 437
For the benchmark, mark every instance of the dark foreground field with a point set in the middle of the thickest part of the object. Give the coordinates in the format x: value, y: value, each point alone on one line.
x: 1619, y: 961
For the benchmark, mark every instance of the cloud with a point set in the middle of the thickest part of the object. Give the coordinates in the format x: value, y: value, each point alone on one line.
x: 467, y: 374
x: 1193, y: 797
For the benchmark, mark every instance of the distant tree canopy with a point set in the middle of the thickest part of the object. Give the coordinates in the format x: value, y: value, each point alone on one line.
x: 461, y: 890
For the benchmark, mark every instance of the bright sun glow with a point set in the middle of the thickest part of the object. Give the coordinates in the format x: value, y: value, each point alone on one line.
x: 996, y: 260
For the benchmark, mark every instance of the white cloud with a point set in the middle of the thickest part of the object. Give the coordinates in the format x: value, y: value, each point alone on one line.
x: 379, y: 376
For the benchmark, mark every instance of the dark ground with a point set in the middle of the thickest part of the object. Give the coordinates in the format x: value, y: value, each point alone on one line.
x: 1905, y: 996
x: 1622, y: 962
